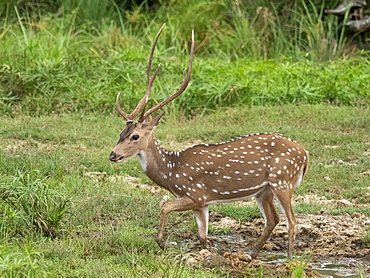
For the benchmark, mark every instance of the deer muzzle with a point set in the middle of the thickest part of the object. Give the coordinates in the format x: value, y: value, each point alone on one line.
x: 115, y: 158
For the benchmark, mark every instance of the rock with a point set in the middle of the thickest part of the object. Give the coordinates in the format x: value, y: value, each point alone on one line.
x: 365, y: 172
x: 228, y: 222
x: 244, y: 257
x: 238, y: 260
x: 331, y: 147
x: 343, y: 203
x: 355, y: 215
x: 204, y: 254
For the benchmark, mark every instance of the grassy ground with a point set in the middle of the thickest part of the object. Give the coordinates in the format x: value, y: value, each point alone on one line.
x: 68, y: 211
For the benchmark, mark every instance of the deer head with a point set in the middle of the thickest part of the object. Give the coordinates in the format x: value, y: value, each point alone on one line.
x: 134, y: 138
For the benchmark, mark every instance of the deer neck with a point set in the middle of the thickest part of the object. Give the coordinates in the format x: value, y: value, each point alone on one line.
x: 158, y: 163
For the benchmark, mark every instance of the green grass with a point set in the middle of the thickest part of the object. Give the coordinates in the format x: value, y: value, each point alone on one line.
x: 239, y: 213
x: 107, y: 225
x: 69, y: 61
x: 22, y: 259
x: 298, y: 265
x: 29, y: 202
x: 366, y: 238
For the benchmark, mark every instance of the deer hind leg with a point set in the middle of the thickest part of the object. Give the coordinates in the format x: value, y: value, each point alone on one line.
x: 265, y: 202
x: 201, y: 217
x: 181, y: 204
x: 284, y: 199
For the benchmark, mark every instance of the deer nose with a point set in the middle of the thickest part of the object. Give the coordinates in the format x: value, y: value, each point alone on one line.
x: 112, y: 156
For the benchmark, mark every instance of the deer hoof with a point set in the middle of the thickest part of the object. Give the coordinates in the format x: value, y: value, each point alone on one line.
x: 254, y: 254
x: 160, y: 242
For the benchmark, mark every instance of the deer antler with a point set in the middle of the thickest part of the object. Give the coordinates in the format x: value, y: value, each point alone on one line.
x: 144, y: 100
x: 185, y: 82
x: 150, y: 80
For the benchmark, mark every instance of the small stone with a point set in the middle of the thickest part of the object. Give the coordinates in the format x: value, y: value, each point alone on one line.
x: 331, y: 147
x: 204, y: 254
x: 344, y: 203
x: 365, y: 172
x: 243, y: 257
x: 355, y: 215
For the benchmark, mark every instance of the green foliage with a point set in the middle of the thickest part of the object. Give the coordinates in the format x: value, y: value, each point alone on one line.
x: 28, y: 203
x: 267, y: 32
x: 366, y: 239
x: 21, y: 259
x: 241, y: 213
x: 351, y: 210
x: 298, y: 265
x: 75, y: 59
x: 308, y: 208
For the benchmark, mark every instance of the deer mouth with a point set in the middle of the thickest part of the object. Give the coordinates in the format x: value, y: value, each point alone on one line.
x: 115, y: 157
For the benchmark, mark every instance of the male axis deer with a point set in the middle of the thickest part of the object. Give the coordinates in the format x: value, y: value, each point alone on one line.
x: 263, y: 166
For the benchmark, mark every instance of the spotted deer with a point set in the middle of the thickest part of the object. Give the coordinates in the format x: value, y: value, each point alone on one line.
x: 264, y: 166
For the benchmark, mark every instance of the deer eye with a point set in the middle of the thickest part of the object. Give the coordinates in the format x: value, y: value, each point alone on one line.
x: 135, y: 137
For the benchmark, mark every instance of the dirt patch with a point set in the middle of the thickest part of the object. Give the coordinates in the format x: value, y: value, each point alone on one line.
x: 241, y: 265
x: 331, y: 238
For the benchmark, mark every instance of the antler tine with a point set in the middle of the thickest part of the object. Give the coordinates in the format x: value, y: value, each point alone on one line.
x: 150, y: 80
x: 185, y: 83
x: 120, y: 111
x: 151, y: 57
x: 144, y: 99
x: 146, y: 96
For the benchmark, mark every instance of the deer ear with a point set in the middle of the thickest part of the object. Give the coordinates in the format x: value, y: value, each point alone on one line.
x: 153, y: 123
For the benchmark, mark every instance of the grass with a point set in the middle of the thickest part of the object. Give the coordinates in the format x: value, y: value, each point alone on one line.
x: 298, y: 265
x: 21, y: 259
x: 108, y: 221
x: 366, y: 238
x: 30, y: 202
x: 242, y: 58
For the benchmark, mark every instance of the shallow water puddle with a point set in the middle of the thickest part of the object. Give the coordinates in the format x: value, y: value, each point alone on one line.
x: 343, y: 268
x: 333, y: 268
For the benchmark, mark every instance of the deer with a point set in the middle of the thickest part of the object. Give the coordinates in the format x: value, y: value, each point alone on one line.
x: 264, y: 166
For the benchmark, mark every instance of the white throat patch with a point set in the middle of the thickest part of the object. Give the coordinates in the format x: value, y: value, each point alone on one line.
x: 143, y: 160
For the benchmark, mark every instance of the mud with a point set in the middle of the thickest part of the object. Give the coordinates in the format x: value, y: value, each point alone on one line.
x: 334, y: 241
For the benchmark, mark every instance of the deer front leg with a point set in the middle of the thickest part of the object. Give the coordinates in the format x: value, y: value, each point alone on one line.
x: 201, y: 217
x: 181, y: 204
